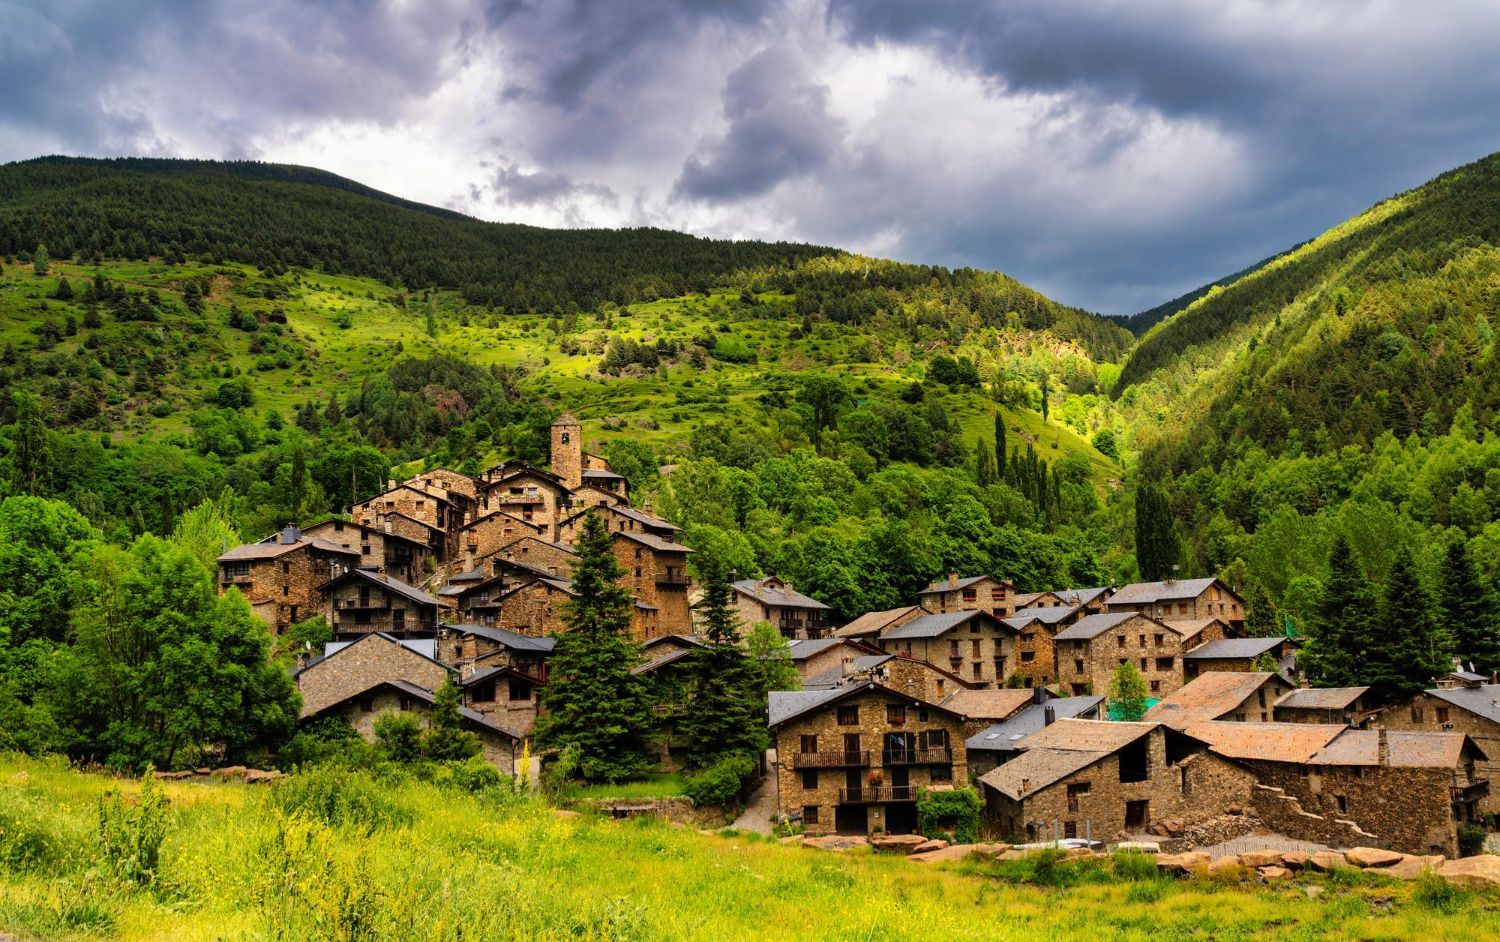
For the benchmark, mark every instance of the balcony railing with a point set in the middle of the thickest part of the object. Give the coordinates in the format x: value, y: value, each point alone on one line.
x: 938, y: 755
x: 829, y: 760
x: 874, y: 794
x: 1471, y: 792
x: 363, y: 603
x: 672, y: 577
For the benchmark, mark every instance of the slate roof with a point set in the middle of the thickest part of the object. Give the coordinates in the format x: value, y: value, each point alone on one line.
x: 669, y: 657
x: 944, y: 585
x: 802, y: 649
x: 783, y: 597
x: 362, y: 528
x: 427, y: 647
x: 1057, y: 751
x: 1271, y: 742
x: 1047, y: 614
x: 835, y: 676
x: 640, y: 516
x: 1080, y: 596
x: 1024, y: 599
x: 1483, y: 700
x: 1207, y: 697
x: 1010, y: 734
x: 1090, y: 627
x: 1407, y: 749
x: 933, y: 626
x: 1322, y: 698
x: 652, y: 540
x: 1144, y: 593
x: 334, y: 647
x: 1234, y: 648
x: 688, y: 640
x: 1187, y: 627
x: 510, y: 639
x: 385, y: 582
x: 272, y: 547
x: 871, y: 623
x: 987, y: 704
x: 601, y: 474
x: 783, y: 705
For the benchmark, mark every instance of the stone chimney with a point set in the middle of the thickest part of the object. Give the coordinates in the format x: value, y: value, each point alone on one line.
x: 1039, y: 694
x: 290, y: 534
x: 1383, y: 751
x: 952, y: 580
x: 1049, y: 715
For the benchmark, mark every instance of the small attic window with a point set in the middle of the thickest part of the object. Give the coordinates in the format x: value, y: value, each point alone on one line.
x: 566, y: 437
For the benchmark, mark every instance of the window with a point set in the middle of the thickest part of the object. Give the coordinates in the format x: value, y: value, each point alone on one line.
x: 1076, y: 791
x: 1156, y: 686
x: 520, y: 690
x: 809, y: 744
x: 974, y: 648
x: 362, y: 617
x: 1442, y: 714
x: 1137, y: 814
x: 236, y: 570
x: 941, y: 773
x: 1028, y: 636
x: 1143, y: 664
x: 366, y: 705
x: 997, y: 594
x: 483, y: 693
x: 939, y: 693
x: 1077, y: 666
x: 922, y: 714
x: 1027, y: 657
x: 1143, y: 640
x: 365, y: 549
x: 849, y: 715
x: 970, y: 595
x: 1120, y: 641
x: 1416, y: 713
x: 406, y: 703
x: 1160, y: 640
x: 978, y: 670
x: 286, y: 567
x: 809, y: 778
x: 1165, y: 664
x: 1070, y: 829
x: 953, y: 648
x: 1343, y: 803
x: 809, y: 814
x: 895, y: 714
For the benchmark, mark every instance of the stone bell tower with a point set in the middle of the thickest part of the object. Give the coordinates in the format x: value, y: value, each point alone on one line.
x: 567, y: 450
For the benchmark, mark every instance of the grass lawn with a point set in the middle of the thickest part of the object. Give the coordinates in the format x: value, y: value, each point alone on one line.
x: 363, y: 861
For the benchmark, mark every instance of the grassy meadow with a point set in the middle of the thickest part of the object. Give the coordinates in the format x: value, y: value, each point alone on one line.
x: 335, y: 856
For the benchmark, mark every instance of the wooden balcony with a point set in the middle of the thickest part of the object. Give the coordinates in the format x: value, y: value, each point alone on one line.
x: 829, y: 760
x: 940, y: 755
x: 672, y: 576
x: 1470, y: 792
x: 356, y: 604
x: 877, y: 794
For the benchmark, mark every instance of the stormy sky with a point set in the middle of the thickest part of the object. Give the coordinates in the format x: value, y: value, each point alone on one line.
x: 1112, y: 153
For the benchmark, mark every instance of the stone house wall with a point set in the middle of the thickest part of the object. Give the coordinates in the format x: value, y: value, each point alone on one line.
x: 534, y: 609
x: 1408, y: 809
x: 1215, y: 601
x: 659, y: 579
x: 489, y: 533
x: 431, y: 509
x: 470, y: 651
x: 285, y: 587
x: 822, y: 788
x: 361, y: 713
x: 1036, y: 655
x: 511, y: 702
x: 1088, y: 666
x: 398, y: 558
x: 981, y: 653
x: 1424, y: 712
x: 989, y: 594
x: 533, y: 498
x: 359, y: 667
x: 1196, y: 789
x: 567, y: 453
x: 357, y: 607
x: 536, y: 553
x: 918, y: 679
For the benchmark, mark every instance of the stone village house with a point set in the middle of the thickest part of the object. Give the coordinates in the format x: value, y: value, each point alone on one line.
x: 402, y: 557
x: 361, y: 601
x: 1185, y: 598
x: 974, y: 645
x: 869, y: 626
x: 280, y: 575
x: 1090, y: 650
x: 852, y: 759
x: 772, y: 600
x: 894, y: 672
x: 1003, y: 740
x: 1470, y: 707
x: 1238, y: 696
x: 972, y: 593
x: 1109, y: 781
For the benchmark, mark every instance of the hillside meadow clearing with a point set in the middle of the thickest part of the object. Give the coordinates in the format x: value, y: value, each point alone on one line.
x: 337, y: 856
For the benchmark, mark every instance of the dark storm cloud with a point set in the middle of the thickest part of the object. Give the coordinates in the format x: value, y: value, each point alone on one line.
x: 1110, y: 153
x: 779, y: 128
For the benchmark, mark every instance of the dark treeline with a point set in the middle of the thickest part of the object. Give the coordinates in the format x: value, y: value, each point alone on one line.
x: 278, y: 218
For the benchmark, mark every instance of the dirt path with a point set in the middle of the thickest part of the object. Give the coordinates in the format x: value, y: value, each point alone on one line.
x: 762, y: 804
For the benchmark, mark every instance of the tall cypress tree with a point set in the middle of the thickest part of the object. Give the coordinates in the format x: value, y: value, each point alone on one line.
x: 1000, y: 447
x: 592, y: 700
x: 31, y: 454
x: 1260, y: 613
x: 1468, y: 609
x: 1155, y: 533
x: 725, y: 712
x: 1405, y: 651
x: 1343, y: 626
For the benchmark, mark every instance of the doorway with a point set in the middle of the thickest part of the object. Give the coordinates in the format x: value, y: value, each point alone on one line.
x: 901, y: 818
x: 851, y: 819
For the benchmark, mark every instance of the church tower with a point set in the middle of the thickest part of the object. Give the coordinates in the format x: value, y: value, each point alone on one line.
x: 567, y: 450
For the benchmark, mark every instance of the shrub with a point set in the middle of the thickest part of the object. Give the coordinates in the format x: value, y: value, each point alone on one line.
x: 1435, y: 893
x: 325, y: 739
x: 1470, y: 840
x: 951, y: 815
x: 340, y: 797
x: 398, y: 736
x: 720, y: 784
x: 1135, y: 866
x: 471, y: 775
x: 130, y: 837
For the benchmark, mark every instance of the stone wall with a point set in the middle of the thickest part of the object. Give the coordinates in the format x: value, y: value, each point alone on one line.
x: 989, y: 594
x: 982, y: 653
x: 398, y: 558
x: 1036, y: 655
x: 659, y: 579
x: 533, y: 498
x: 822, y: 788
x: 1216, y: 601
x: 1085, y: 666
x: 1195, y: 789
x: 358, y: 607
x: 285, y: 587
x: 535, y: 609
x: 1432, y: 714
x: 491, y: 532
x: 359, y: 667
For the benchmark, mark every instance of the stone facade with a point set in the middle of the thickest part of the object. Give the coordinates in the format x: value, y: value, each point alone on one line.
x: 656, y: 571
x: 1427, y: 712
x: 359, y: 605
x: 567, y: 450
x: 479, y: 538
x: 1120, y: 794
x: 774, y: 600
x: 505, y: 696
x: 984, y: 594
x: 533, y: 608
x: 281, y: 579
x: 398, y: 556
x: 474, y: 650
x: 530, y: 494
x: 364, y: 709
x: 855, y: 764
x: 535, y: 554
x: 351, y: 670
x: 432, y: 509
x: 1087, y: 665
x: 1036, y: 656
x: 981, y: 651
x: 1186, y: 598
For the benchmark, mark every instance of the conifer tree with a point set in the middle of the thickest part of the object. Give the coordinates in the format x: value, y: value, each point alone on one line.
x: 40, y: 262
x: 1343, y: 623
x: 1046, y: 394
x: 1260, y: 612
x: 984, y: 465
x: 592, y: 699
x: 1127, y: 693
x: 31, y: 455
x: 1000, y: 447
x: 1155, y: 533
x: 1407, y: 651
x: 1469, y: 611
x: 726, y: 708
x: 446, y: 739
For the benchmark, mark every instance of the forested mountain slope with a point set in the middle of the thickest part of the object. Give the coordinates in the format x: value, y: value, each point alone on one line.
x: 1350, y: 386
